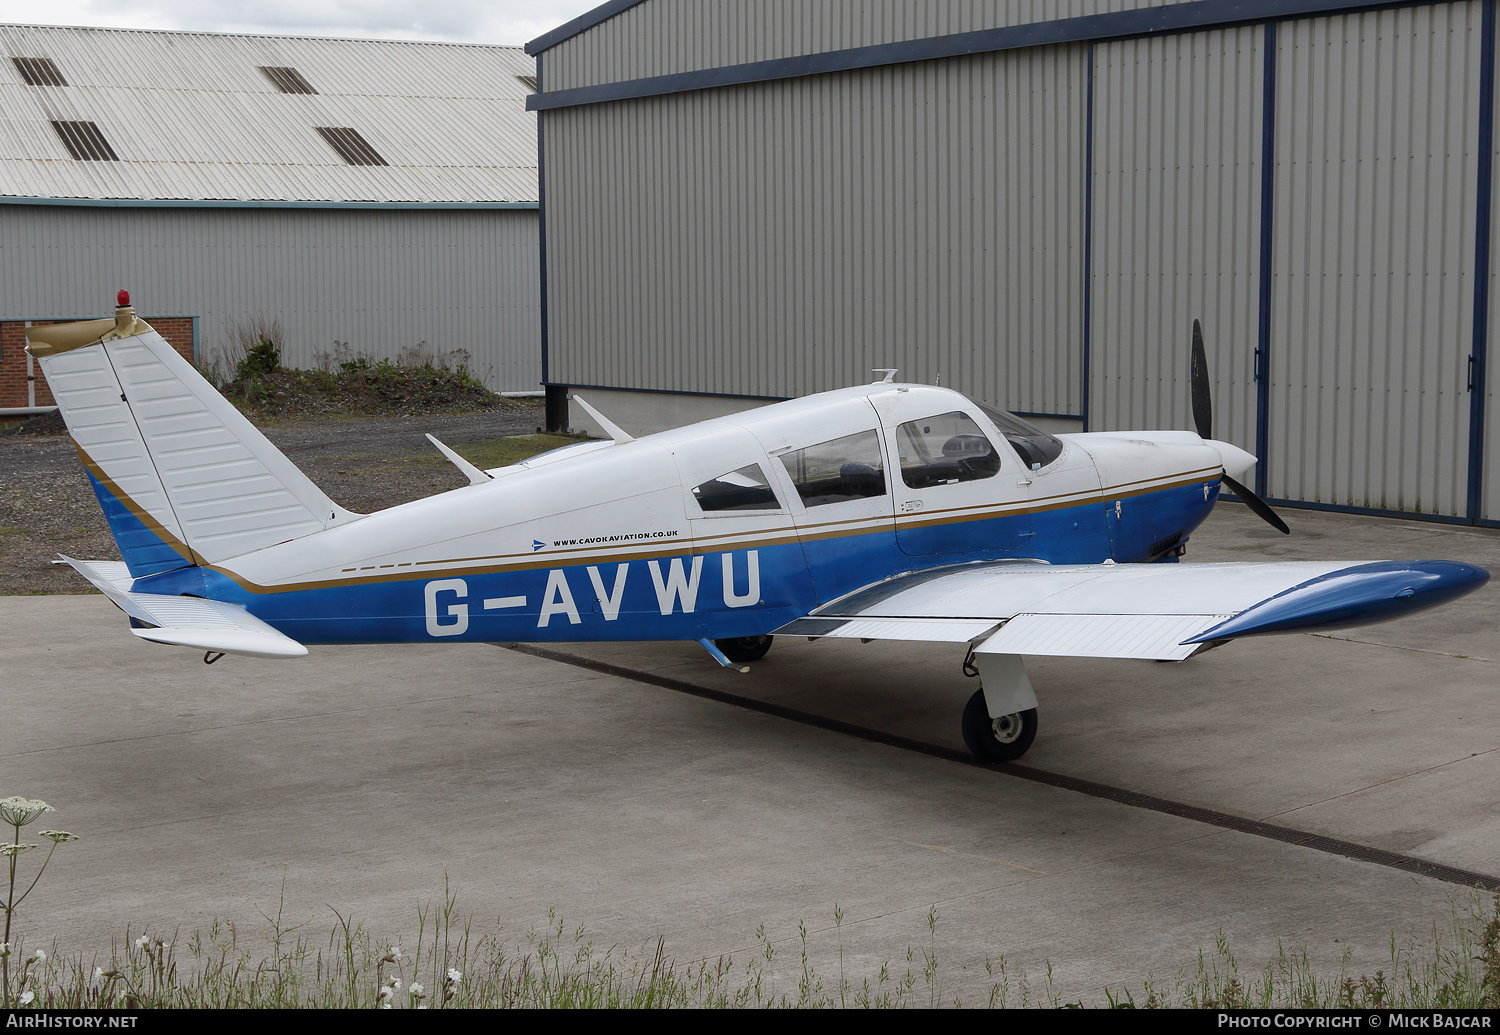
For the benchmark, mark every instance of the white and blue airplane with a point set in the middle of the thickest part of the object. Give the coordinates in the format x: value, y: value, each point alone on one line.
x: 886, y: 511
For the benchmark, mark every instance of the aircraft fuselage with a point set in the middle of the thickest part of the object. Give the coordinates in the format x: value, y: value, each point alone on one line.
x: 625, y: 541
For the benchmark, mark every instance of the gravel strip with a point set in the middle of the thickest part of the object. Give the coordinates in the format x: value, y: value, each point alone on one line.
x: 47, y: 506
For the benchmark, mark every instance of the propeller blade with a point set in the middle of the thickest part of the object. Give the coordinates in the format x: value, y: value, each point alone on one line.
x: 1255, y: 503
x: 1203, y: 406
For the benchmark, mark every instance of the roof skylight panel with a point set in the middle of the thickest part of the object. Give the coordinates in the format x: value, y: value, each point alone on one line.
x: 39, y: 71
x: 85, y: 142
x: 351, y: 147
x: 287, y: 80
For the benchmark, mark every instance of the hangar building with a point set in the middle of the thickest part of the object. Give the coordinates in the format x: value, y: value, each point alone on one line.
x: 373, y: 193
x: 1031, y: 200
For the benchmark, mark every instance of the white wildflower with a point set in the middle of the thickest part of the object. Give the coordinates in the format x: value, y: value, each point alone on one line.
x: 41, y: 957
x: 385, y: 993
x: 27, y: 997
x: 455, y: 976
x: 396, y: 953
x: 14, y: 849
x: 421, y: 1006
x: 59, y: 837
x: 396, y: 984
x: 142, y: 941
x: 4, y: 948
x: 385, y: 1006
x: 417, y: 988
x: 20, y: 811
x: 98, y: 973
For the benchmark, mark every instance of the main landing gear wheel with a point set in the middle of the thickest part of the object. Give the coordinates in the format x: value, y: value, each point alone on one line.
x: 1001, y: 739
x: 744, y: 648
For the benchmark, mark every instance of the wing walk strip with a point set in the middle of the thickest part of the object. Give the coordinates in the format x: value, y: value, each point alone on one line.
x: 1135, y: 799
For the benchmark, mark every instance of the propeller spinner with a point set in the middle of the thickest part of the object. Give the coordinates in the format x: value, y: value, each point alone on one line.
x: 1203, y: 421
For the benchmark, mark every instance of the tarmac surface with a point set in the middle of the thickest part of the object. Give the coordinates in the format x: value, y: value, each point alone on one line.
x: 368, y: 774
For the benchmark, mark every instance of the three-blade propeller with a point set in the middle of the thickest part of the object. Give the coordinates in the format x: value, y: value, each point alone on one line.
x: 1203, y: 420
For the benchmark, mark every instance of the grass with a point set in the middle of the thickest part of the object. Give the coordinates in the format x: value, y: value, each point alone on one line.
x: 451, y: 966
x: 485, y: 453
x: 502, y: 452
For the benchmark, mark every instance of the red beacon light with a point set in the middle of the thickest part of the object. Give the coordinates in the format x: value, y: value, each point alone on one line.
x: 122, y: 298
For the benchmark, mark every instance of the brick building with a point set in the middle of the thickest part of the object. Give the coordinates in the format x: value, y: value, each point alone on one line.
x: 21, y: 380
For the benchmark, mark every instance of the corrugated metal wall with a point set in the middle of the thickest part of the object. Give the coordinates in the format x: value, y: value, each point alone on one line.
x: 379, y: 280
x: 667, y: 36
x: 785, y: 238
x: 779, y: 238
x: 1176, y: 228
x: 1372, y: 303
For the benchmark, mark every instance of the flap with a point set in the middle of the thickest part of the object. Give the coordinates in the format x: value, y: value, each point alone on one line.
x: 1157, y: 637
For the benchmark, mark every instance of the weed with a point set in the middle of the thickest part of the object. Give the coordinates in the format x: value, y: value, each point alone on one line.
x: 20, y: 812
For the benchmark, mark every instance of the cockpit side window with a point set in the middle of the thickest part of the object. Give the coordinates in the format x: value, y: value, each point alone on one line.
x: 1036, y: 448
x: 945, y: 449
x: 842, y: 469
x: 745, y: 489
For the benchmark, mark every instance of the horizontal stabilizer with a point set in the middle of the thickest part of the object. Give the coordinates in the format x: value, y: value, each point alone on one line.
x: 188, y: 621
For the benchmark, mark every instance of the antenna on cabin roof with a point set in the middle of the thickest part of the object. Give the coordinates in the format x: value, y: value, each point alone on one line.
x: 889, y: 372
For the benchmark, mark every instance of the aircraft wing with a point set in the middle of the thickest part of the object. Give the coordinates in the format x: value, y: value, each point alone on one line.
x: 1161, y: 611
x: 209, y: 625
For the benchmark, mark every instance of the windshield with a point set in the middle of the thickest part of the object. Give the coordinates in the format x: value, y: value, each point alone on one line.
x: 1036, y: 448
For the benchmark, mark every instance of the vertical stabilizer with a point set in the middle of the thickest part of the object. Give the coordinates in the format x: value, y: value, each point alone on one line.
x: 183, y: 477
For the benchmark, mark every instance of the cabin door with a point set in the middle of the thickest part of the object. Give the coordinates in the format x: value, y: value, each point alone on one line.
x: 959, y: 490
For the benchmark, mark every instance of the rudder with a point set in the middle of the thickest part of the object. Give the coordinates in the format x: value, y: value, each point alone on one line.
x: 182, y: 476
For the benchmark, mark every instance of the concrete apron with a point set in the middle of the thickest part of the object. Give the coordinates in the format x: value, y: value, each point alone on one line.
x: 367, y: 774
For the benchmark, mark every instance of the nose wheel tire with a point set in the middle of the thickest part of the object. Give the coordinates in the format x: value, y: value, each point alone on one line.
x: 1003, y: 738
x: 744, y: 648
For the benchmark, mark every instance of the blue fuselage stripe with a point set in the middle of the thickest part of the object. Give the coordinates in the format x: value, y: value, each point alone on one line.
x: 746, y: 591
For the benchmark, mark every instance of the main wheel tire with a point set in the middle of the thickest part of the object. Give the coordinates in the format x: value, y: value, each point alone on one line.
x: 744, y: 648
x: 1002, y: 739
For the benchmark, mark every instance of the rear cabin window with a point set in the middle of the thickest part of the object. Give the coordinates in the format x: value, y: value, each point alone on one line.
x: 745, y: 489
x: 945, y: 449
x: 843, y: 469
x: 1036, y: 448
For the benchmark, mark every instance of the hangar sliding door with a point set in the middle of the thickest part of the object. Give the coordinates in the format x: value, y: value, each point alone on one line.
x: 1372, y: 294
x: 1175, y: 227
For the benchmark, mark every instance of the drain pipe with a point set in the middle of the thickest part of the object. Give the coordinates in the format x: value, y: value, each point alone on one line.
x: 31, y: 409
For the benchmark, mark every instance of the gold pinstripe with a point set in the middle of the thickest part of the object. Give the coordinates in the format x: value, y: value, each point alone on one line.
x: 495, y: 563
x: 141, y: 514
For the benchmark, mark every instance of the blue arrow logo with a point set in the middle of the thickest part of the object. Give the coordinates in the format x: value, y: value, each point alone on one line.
x: 536, y: 544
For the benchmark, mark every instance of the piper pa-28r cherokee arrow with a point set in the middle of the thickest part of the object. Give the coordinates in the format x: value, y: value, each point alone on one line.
x: 887, y: 511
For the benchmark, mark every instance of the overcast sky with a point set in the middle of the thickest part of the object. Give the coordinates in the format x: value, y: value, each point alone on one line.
x: 462, y: 21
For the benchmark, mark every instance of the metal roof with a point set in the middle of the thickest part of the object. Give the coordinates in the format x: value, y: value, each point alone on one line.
x: 192, y: 117
x: 585, y: 21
